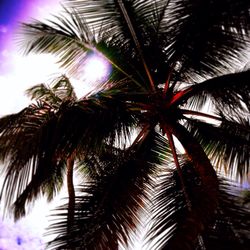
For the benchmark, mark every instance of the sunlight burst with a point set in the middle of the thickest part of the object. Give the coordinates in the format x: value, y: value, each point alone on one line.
x: 96, y: 69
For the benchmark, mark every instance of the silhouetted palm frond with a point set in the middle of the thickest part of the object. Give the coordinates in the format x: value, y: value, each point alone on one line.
x: 171, y: 220
x: 109, y: 210
x: 59, y: 90
x: 169, y: 59
x: 38, y: 139
x: 229, y: 93
x: 25, y: 137
x: 68, y: 37
x: 227, y: 144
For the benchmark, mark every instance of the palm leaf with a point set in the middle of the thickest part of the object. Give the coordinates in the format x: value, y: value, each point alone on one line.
x: 170, y: 227
x: 228, y: 92
x: 25, y: 137
x: 230, y: 229
x: 68, y: 37
x: 206, y: 37
x: 58, y: 90
x: 46, y: 181
x: 226, y: 144
x: 37, y: 140
x: 107, y: 211
x: 42, y: 92
x: 173, y: 224
x: 150, y: 38
x: 88, y: 123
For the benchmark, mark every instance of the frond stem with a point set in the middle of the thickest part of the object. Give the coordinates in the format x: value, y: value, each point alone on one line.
x: 137, y: 44
x: 71, y: 191
x: 141, y: 135
x: 177, y: 164
x: 166, y: 87
x: 197, y: 113
x: 189, y: 204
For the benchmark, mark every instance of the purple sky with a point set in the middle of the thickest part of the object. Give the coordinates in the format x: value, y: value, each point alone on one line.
x: 14, y: 12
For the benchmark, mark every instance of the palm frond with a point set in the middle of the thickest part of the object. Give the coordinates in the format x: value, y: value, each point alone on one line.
x: 42, y: 92
x: 229, y: 93
x: 68, y: 37
x: 174, y: 225
x: 36, y: 140
x: 25, y: 137
x: 230, y: 229
x: 171, y: 219
x: 160, y: 52
x: 206, y: 37
x: 91, y: 165
x: 227, y: 144
x: 108, y: 210
x: 58, y: 90
x: 64, y: 88
x: 47, y: 181
x: 90, y: 122
x: 202, y: 37
x: 133, y: 27
x: 108, y: 15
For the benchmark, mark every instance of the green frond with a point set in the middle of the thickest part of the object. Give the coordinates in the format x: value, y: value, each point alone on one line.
x: 68, y: 38
x: 246, y: 196
x: 54, y: 93
x: 63, y: 88
x: 42, y: 92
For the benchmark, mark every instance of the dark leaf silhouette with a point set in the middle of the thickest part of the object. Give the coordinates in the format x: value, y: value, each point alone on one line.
x: 170, y: 60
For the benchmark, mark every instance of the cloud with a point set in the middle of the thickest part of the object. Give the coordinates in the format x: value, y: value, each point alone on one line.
x: 15, y: 236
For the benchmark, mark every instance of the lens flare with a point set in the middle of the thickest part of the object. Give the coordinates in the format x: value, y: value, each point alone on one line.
x: 96, y: 69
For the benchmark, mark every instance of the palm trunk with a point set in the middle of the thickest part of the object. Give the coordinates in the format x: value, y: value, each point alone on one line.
x: 71, y: 192
x: 198, y: 218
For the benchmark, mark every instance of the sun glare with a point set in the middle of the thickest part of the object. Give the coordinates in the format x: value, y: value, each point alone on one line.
x: 96, y: 69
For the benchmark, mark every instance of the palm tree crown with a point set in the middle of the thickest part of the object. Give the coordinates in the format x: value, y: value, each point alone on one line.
x: 169, y: 60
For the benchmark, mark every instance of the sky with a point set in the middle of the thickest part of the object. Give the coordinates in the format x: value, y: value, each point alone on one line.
x: 17, y: 73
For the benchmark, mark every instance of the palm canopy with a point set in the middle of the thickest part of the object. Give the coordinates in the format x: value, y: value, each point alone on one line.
x: 24, y: 137
x: 169, y: 58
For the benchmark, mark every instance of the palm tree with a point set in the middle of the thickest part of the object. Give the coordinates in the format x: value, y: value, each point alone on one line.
x: 28, y: 128
x: 169, y: 60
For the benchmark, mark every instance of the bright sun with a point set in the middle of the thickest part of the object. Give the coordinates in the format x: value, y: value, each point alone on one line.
x: 96, y: 69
